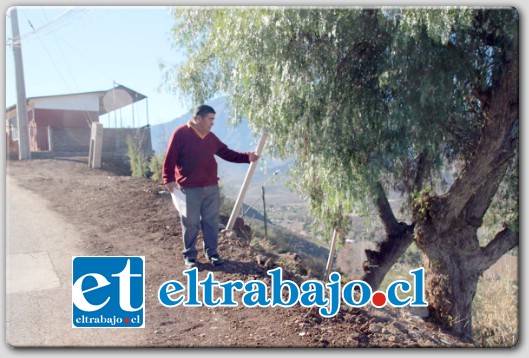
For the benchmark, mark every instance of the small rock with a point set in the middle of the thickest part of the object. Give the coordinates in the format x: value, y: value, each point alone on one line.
x: 419, y: 311
x: 400, y: 327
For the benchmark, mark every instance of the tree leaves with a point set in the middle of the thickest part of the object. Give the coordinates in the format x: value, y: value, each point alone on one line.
x: 357, y: 95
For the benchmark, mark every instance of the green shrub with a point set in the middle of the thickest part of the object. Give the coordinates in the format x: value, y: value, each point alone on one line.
x: 138, y: 162
x: 155, y: 167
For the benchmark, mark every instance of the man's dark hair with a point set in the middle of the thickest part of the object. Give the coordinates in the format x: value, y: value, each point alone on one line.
x: 203, y: 110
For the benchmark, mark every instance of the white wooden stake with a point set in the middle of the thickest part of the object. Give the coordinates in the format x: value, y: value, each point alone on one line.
x: 96, y: 145
x: 331, y: 253
x: 246, y: 183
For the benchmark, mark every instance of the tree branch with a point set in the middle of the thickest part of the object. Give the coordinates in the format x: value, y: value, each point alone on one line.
x: 495, y: 149
x: 385, y: 212
x: 379, y: 262
x: 398, y: 238
x: 503, y: 242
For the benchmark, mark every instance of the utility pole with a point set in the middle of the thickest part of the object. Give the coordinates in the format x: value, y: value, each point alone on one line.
x: 22, y: 112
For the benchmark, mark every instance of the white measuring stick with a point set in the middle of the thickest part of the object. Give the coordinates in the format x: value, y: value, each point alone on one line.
x: 246, y: 183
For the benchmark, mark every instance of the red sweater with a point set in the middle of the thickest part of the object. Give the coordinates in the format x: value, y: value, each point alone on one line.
x: 190, y: 160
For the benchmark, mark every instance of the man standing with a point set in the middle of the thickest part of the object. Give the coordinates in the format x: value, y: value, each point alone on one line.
x: 190, y: 171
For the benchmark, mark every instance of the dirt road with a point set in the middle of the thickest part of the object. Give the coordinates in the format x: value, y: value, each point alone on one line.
x: 39, y: 248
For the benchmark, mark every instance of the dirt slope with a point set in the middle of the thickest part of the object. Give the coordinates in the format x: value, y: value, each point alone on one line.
x: 120, y: 215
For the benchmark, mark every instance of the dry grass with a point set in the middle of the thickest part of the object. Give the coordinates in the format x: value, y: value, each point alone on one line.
x: 496, y: 305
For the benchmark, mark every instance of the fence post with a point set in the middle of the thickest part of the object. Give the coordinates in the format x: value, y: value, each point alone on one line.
x: 51, y: 146
x: 264, y: 212
x: 96, y: 145
x: 331, y: 253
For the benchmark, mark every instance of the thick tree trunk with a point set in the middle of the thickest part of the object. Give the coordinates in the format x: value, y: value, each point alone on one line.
x: 446, y: 226
x: 452, y: 273
x: 454, y: 263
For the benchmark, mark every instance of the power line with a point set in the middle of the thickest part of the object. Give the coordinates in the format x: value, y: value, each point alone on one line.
x: 84, y: 57
x: 59, y: 72
x: 58, y: 37
x: 55, y: 23
x: 85, y: 115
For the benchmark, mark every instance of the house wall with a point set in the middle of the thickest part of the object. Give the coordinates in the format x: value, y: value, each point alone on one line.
x: 63, y: 140
x: 115, y: 140
x: 82, y: 102
x: 42, y: 119
x: 77, y: 140
x: 64, y: 118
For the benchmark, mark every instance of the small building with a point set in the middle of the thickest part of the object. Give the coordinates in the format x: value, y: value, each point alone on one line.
x: 62, y: 123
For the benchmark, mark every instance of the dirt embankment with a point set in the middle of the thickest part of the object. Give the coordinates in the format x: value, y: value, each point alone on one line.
x: 120, y: 215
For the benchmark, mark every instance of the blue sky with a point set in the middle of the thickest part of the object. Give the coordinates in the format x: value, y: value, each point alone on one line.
x: 84, y: 49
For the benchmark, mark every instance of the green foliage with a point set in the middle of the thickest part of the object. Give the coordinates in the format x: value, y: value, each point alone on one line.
x: 138, y: 162
x: 155, y: 166
x: 358, y: 96
x: 421, y: 203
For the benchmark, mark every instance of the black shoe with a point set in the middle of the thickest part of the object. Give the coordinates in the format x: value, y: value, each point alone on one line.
x: 190, y: 263
x: 216, y: 260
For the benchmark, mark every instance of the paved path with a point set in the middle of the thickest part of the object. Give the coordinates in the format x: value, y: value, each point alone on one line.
x: 39, y: 249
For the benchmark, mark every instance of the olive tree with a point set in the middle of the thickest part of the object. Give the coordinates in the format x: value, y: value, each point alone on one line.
x: 375, y: 100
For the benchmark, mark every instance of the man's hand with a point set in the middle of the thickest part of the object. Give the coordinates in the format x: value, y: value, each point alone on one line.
x: 170, y: 186
x: 253, y: 156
